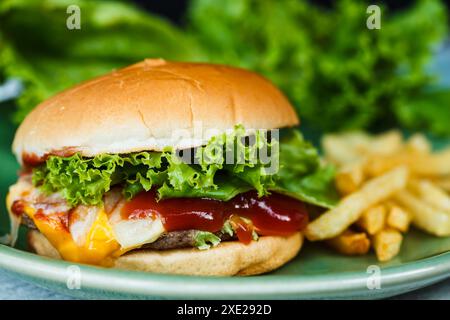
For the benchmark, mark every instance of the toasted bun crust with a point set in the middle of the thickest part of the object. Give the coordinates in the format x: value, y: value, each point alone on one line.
x: 227, y: 259
x: 144, y: 106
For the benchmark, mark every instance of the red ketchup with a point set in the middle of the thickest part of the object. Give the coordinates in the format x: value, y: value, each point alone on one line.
x: 57, y: 221
x: 275, y: 214
x: 33, y: 160
x: 178, y: 213
x: 18, y: 208
x: 243, y: 230
x: 272, y: 215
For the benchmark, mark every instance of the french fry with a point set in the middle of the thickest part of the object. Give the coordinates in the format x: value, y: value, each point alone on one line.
x: 414, y: 181
x: 418, y: 143
x: 377, y: 165
x: 338, y: 151
x: 349, y: 147
x: 437, y: 164
x: 387, y: 244
x: 349, y: 178
x: 373, y: 219
x: 398, y: 218
x: 350, y: 243
x: 359, y: 141
x: 348, y: 211
x: 431, y: 194
x: 387, y: 143
x: 356, y: 138
x: 424, y: 216
x: 443, y: 183
x: 423, y: 165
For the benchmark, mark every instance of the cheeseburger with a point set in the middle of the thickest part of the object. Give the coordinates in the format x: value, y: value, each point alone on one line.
x: 167, y: 167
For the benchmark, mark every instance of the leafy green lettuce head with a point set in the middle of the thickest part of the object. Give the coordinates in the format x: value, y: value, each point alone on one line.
x: 37, y: 48
x: 339, y: 74
x: 295, y: 170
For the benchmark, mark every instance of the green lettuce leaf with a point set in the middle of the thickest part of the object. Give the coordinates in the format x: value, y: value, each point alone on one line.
x: 428, y: 110
x: 205, y: 240
x: 339, y: 74
x: 227, y: 188
x: 302, y: 175
x: 85, y: 180
x: 227, y: 228
x: 37, y: 48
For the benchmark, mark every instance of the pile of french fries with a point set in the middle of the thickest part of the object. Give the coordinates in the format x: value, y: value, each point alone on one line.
x: 387, y: 184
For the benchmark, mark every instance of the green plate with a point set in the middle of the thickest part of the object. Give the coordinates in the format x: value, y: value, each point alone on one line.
x: 316, y: 273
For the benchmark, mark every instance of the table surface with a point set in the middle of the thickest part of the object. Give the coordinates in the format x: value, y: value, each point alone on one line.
x: 15, y: 289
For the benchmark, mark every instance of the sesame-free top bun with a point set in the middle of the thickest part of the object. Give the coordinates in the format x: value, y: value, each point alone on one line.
x: 144, y: 106
x: 227, y: 259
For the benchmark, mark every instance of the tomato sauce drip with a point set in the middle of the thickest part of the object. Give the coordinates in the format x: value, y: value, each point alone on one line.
x: 18, y: 208
x: 33, y: 160
x: 178, y: 213
x: 57, y: 221
x: 275, y: 214
x: 244, y: 230
x: 272, y: 215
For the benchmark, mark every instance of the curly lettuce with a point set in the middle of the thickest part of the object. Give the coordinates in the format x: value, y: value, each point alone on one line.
x: 205, y: 240
x: 338, y: 73
x: 48, y: 57
x: 82, y: 180
x: 302, y: 175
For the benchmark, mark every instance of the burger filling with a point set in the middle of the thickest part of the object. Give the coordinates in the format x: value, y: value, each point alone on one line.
x: 93, y: 210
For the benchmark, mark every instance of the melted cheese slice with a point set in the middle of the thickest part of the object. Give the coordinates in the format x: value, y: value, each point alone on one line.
x: 133, y: 233
x: 100, y: 246
x: 86, y: 234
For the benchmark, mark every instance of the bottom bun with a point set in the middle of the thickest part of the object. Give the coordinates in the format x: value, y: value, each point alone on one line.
x: 227, y: 259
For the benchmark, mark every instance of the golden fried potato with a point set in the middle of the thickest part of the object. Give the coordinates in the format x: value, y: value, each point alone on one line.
x: 373, y: 219
x: 443, y: 183
x: 349, y: 178
x: 424, y: 216
x: 398, y: 218
x: 348, y: 211
x: 350, y: 243
x: 430, y: 193
x: 437, y: 164
x: 418, y: 143
x: 388, y: 184
x: 387, y: 243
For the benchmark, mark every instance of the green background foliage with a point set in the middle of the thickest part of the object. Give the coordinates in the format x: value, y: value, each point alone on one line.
x: 338, y: 74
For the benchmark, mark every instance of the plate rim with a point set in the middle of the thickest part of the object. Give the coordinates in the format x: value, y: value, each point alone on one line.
x: 28, y: 264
